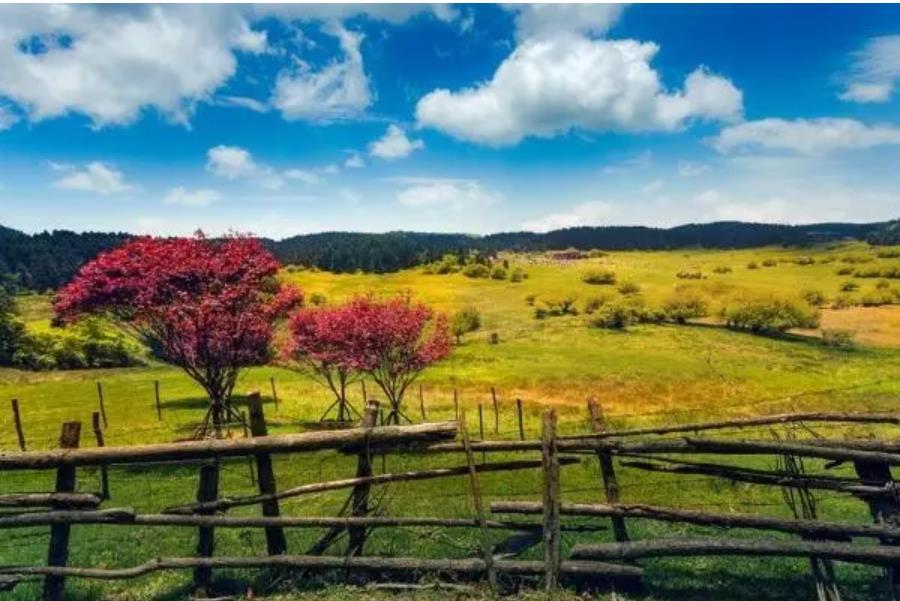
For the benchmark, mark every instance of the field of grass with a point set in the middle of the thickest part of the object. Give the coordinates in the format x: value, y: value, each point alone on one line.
x: 646, y: 375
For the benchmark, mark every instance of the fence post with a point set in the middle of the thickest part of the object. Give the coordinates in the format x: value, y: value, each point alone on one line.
x: 496, y: 411
x: 365, y: 394
x: 422, y: 404
x: 17, y: 422
x: 359, y: 498
x: 102, y: 406
x: 104, y: 470
x: 455, y: 405
x: 521, y: 425
x: 884, y: 509
x: 207, y: 490
x: 58, y: 550
x: 552, y: 537
x: 158, y: 406
x: 276, y: 543
x: 274, y: 393
x: 475, y: 483
x: 251, y: 460
x: 607, y: 471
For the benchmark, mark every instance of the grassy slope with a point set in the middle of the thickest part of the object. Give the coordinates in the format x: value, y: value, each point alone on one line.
x: 650, y: 374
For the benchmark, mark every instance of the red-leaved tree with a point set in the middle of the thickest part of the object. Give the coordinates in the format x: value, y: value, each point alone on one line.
x: 206, y: 305
x: 321, y: 342
x: 392, y: 341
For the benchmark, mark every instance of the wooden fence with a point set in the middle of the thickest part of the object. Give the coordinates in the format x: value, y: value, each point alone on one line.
x: 592, y: 564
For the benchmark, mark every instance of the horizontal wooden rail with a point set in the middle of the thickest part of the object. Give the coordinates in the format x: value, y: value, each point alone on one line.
x: 745, y: 422
x: 206, y: 449
x: 816, y: 529
x: 126, y: 516
x: 692, y: 547
x: 317, y: 487
x: 60, y: 500
x: 401, y: 564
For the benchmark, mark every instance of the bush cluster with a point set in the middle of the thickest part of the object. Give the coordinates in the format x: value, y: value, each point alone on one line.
x: 599, y: 277
x: 722, y: 269
x: 685, y: 304
x: 839, y: 339
x: 690, y: 275
x: 464, y: 322
x: 891, y: 273
x: 620, y: 314
x: 771, y: 315
x: 556, y: 306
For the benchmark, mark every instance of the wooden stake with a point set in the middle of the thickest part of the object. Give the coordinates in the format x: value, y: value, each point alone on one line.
x: 104, y: 470
x: 455, y: 405
x: 359, y: 498
x: 521, y: 425
x: 158, y: 405
x: 276, y: 543
x: 274, y: 392
x: 58, y: 549
x: 207, y: 490
x: 102, y: 406
x: 422, y: 404
x: 607, y: 471
x: 17, y: 422
x: 496, y: 411
x: 365, y: 394
x: 251, y: 460
x: 884, y: 509
x: 475, y: 483
x: 552, y: 536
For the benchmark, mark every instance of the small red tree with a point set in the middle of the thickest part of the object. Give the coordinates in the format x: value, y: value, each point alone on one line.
x: 392, y: 341
x: 208, y: 306
x: 321, y: 342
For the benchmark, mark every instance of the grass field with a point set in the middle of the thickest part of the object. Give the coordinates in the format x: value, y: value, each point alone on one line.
x: 648, y: 374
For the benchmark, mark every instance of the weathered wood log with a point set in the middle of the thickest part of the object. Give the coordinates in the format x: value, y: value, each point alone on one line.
x: 206, y: 449
x: 317, y: 487
x: 692, y: 547
x: 487, y: 548
x: 359, y: 497
x: 746, y: 422
x: 17, y: 423
x: 276, y: 543
x: 207, y: 490
x: 813, y: 529
x: 70, y: 500
x: 552, y: 540
x: 607, y: 471
x: 58, y: 548
x: 765, y: 477
x: 387, y: 564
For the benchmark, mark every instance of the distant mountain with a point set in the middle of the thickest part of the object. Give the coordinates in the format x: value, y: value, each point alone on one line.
x: 49, y: 259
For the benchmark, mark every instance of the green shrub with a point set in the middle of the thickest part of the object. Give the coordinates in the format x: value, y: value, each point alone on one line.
x: 816, y: 298
x: 878, y: 298
x: 892, y: 273
x: 317, y: 299
x: 888, y: 253
x: 465, y: 321
x: 628, y: 288
x: 476, y: 270
x: 769, y: 263
x: 839, y: 339
x: 843, y: 271
x: 689, y: 275
x: 882, y: 285
x: 722, y: 269
x: 529, y: 300
x: 804, y: 261
x: 517, y: 275
x: 498, y: 273
x: 752, y: 265
x: 601, y: 277
x: 771, y: 315
x: 849, y: 286
x: 843, y: 301
x: 556, y: 306
x: 856, y: 259
x: 685, y: 304
x: 619, y: 315
x: 592, y: 303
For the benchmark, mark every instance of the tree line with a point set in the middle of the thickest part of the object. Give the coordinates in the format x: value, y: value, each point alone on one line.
x: 46, y: 260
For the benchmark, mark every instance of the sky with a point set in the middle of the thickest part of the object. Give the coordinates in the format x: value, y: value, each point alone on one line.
x: 279, y: 120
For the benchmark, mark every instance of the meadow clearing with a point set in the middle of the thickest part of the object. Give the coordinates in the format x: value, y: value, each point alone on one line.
x: 647, y: 374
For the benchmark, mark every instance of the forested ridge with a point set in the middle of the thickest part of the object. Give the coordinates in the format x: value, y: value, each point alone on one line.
x: 47, y: 260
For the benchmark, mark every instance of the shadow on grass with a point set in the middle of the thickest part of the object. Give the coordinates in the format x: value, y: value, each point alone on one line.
x: 794, y: 337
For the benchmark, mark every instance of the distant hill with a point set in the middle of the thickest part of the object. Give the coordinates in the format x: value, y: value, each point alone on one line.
x: 49, y: 259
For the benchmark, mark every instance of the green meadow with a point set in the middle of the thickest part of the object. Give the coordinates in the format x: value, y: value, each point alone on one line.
x: 647, y: 374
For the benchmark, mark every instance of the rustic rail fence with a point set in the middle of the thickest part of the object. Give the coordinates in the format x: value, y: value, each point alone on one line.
x: 662, y: 450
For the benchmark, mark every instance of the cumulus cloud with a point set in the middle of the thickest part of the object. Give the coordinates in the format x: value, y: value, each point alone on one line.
x: 394, y: 144
x: 234, y: 162
x: 7, y: 118
x: 688, y: 169
x: 200, y: 197
x: 549, y: 86
x: 338, y: 91
x: 542, y: 20
x: 586, y: 213
x: 355, y: 161
x: 453, y: 194
x: 874, y: 71
x: 805, y: 136
x: 111, y: 63
x: 96, y: 177
x: 303, y: 175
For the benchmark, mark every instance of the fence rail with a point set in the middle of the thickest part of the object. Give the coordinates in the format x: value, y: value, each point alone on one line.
x: 646, y: 449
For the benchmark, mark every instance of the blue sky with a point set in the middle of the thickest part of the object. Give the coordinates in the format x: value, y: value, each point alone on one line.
x: 289, y: 119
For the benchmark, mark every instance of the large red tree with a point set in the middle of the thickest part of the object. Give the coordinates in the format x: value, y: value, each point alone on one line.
x: 205, y: 305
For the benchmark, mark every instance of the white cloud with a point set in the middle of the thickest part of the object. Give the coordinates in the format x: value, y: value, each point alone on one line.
x: 642, y: 160
x: 587, y: 213
x: 806, y: 136
x: 330, y: 169
x: 233, y: 163
x: 95, y: 177
x: 200, y: 197
x: 653, y: 187
x: 874, y: 72
x: 542, y: 20
x: 243, y: 102
x: 303, y: 175
x: 549, y: 86
x: 688, y: 169
x: 355, y: 161
x: 394, y: 144
x: 351, y: 197
x: 453, y: 194
x: 7, y: 118
x: 338, y: 91
x: 111, y: 63
x: 394, y: 13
